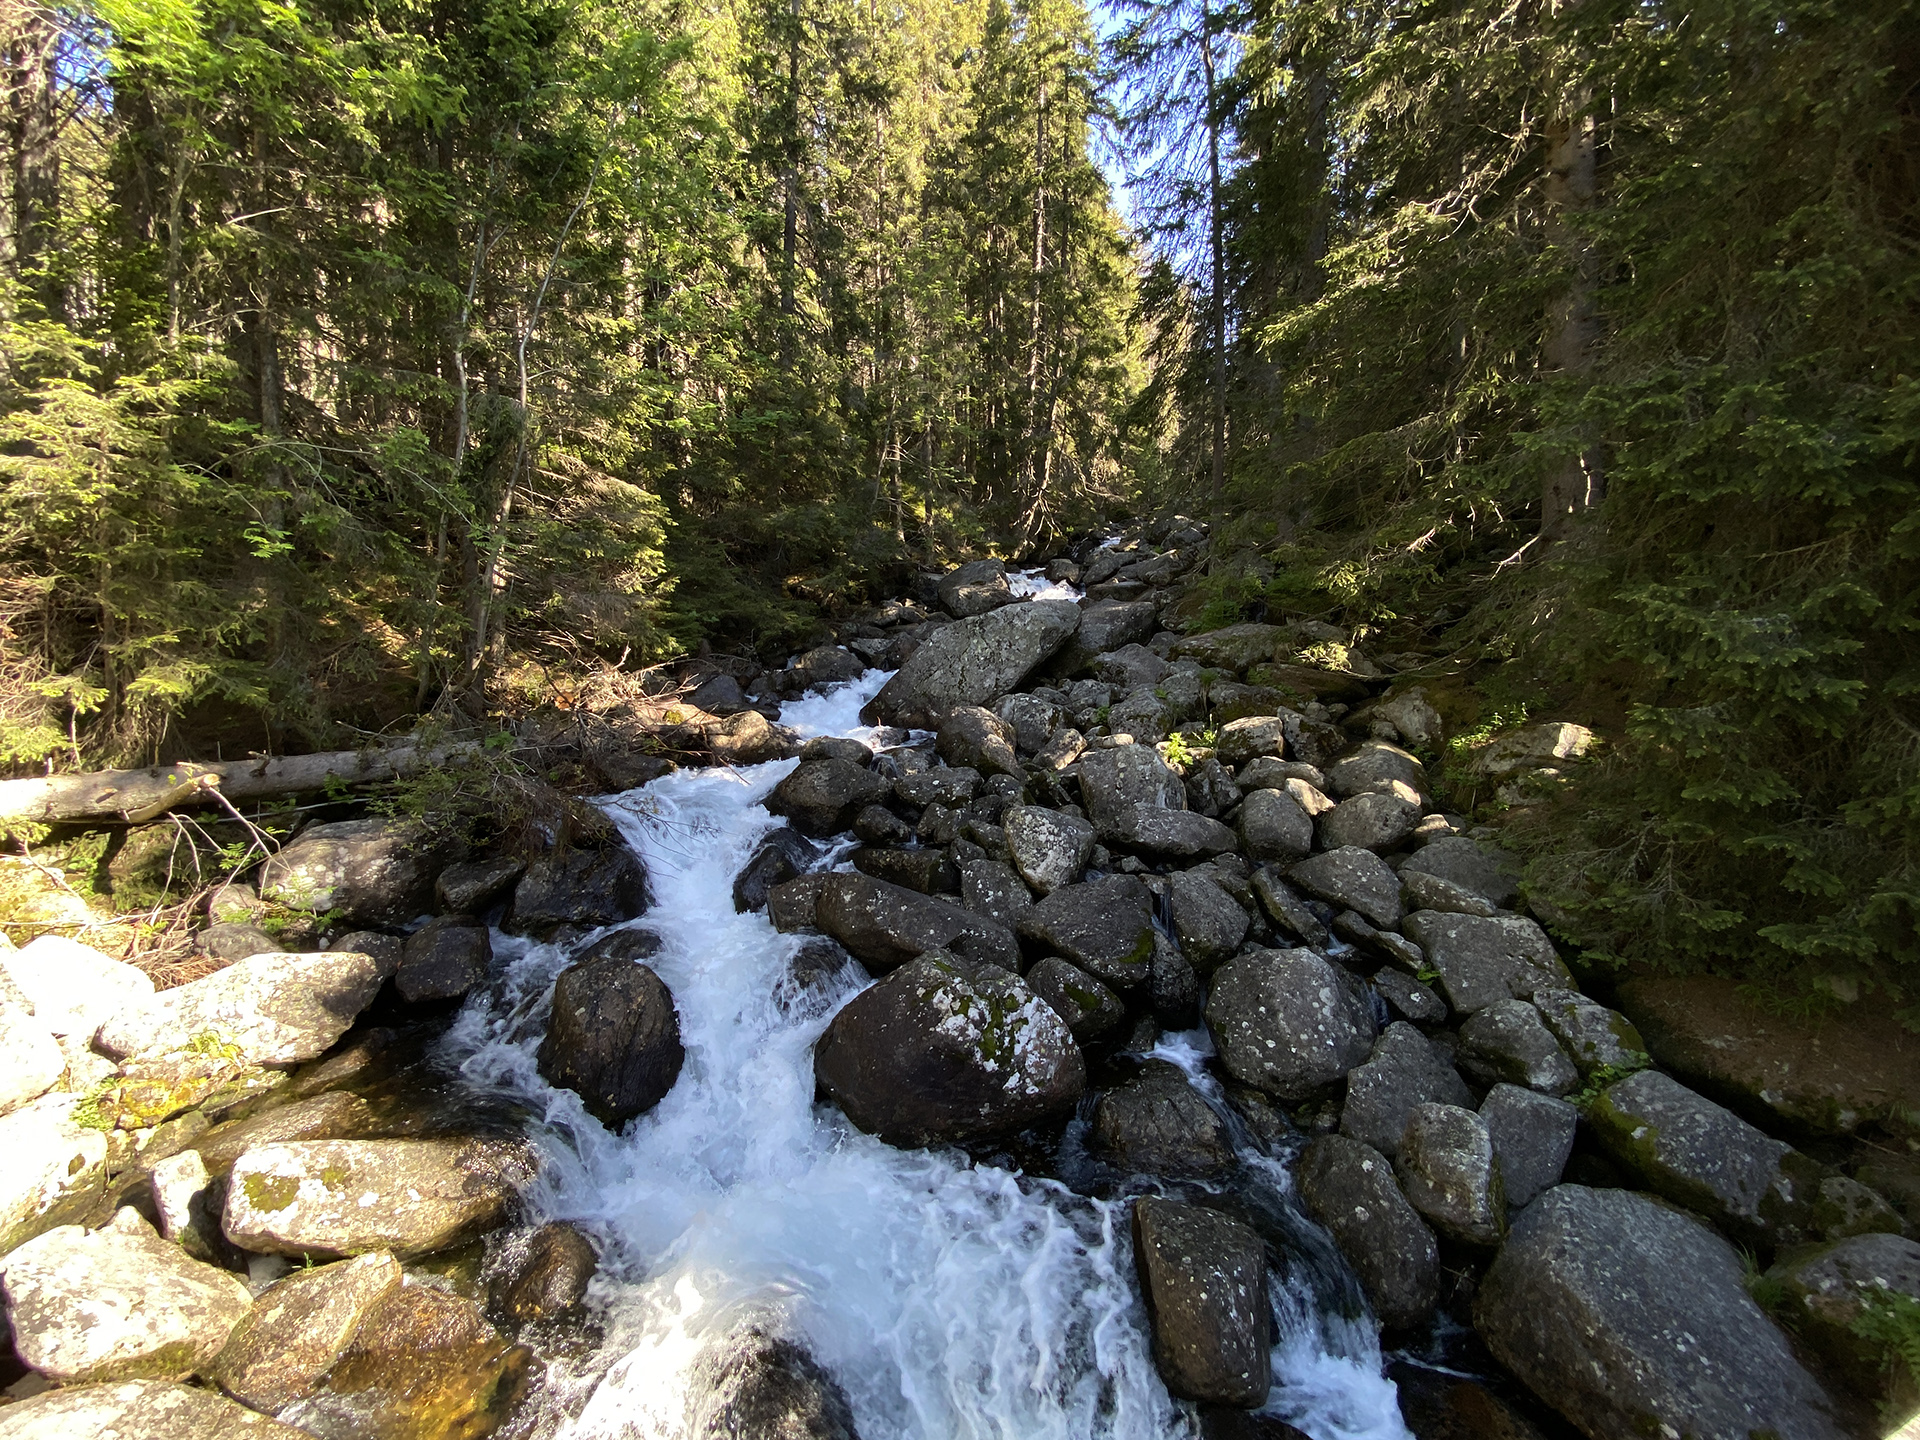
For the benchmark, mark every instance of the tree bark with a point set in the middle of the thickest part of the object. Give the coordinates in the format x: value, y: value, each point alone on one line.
x: 1576, y: 482
x: 1217, y: 255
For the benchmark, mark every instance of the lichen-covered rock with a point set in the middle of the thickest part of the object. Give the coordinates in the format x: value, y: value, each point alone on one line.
x: 1829, y: 1290
x: 329, y: 1198
x: 1844, y: 1207
x: 1274, y: 827
x: 1103, y: 926
x: 613, y: 1038
x: 975, y: 588
x: 1234, y: 647
x: 1349, y: 1188
x: 138, y: 1410
x: 1353, y: 879
x: 1421, y: 891
x: 270, y: 1009
x: 1374, y: 767
x: 366, y: 872
x: 884, y: 926
x: 49, y: 1155
x: 1509, y: 1042
x: 1170, y: 834
x: 1404, y: 1070
x: 443, y: 960
x: 1050, y: 849
x: 1632, y: 1320
x: 1207, y: 921
x: 331, y: 1115
x: 1034, y: 721
x: 1448, y: 1170
x: 1761, y: 1191
x: 579, y: 890
x: 117, y: 1303
x: 1490, y: 874
x: 1286, y: 1022
x: 1406, y: 995
x: 756, y: 1384
x: 1088, y: 1007
x: 1482, y: 961
x: 945, y: 1051
x: 924, y: 868
x: 1372, y: 821
x: 1204, y: 1276
x: 1594, y: 1037
x: 976, y: 738
x: 541, y: 1274
x: 1157, y: 1123
x: 972, y: 662
x: 1284, y: 906
x: 1106, y: 625
x: 1530, y: 747
x: 1532, y: 1138
x: 1118, y: 781
x: 945, y: 785
x: 298, y: 1328
x: 994, y: 891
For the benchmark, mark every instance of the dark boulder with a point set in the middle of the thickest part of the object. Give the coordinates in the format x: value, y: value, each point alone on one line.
x: 469, y: 887
x: 821, y: 797
x: 1349, y: 1188
x: 1088, y: 1007
x: 757, y: 1385
x: 540, y: 1274
x: 613, y: 1039
x: 1204, y: 1276
x: 973, y: 738
x: 1287, y: 1022
x: 886, y: 925
x: 927, y: 869
x: 443, y: 960
x: 1157, y: 1123
x: 621, y: 945
x: 577, y: 889
x: 974, y: 589
x: 1103, y: 926
x: 363, y: 872
x: 971, y: 662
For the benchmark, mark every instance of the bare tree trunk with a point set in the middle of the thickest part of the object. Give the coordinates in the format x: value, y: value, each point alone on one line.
x: 1577, y: 482
x: 31, y: 51
x: 1217, y: 255
x: 1032, y: 439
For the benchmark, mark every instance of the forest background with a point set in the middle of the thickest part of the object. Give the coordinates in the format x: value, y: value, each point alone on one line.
x: 367, y: 360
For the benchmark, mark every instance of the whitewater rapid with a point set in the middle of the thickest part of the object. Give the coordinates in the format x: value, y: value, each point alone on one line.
x: 951, y: 1301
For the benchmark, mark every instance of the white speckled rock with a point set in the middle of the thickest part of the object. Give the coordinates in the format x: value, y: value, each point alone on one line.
x: 47, y: 1156
x: 1448, y: 1169
x: 137, y: 1410
x: 1049, y: 849
x: 116, y: 1303
x: 278, y: 1009
x: 1287, y: 1022
x: 1482, y: 960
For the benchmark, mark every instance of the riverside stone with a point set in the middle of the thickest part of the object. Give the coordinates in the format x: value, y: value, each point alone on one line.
x: 821, y: 797
x: 1421, y: 891
x: 1483, y: 961
x: 1463, y: 862
x: 347, y: 1197
x: 1204, y: 1276
x: 1177, y: 833
x: 49, y: 1155
x: 782, y: 855
x: 1286, y: 909
x: 577, y: 889
x: 298, y: 1328
x: 1118, y: 782
x: 927, y: 869
x: 472, y: 885
x: 1448, y: 1170
x: 1157, y: 1123
x: 1632, y: 1319
x: 1274, y: 827
x: 945, y: 1051
x: 1050, y: 849
x: 1374, y: 765
x: 1409, y: 997
x: 1403, y: 1071
x: 1532, y: 1138
x: 116, y: 1303
x: 1105, y: 626
x: 1088, y: 1007
x: 1829, y: 1289
x: 1287, y: 1022
x: 974, y: 737
x: 367, y: 872
x: 72, y: 988
x: 1033, y: 721
x: 1372, y: 821
x: 31, y: 1061
x: 137, y: 1410
x: 971, y: 662
x: 1349, y: 1188
x: 975, y: 588
x: 1103, y: 926
x: 331, y: 1115
x: 994, y: 891
x: 272, y: 1009
x: 756, y: 1384
x: 1251, y: 738
x: 613, y: 1038
x: 1354, y: 879
x: 884, y: 926
x: 944, y: 785
x: 443, y: 961
x: 1207, y: 921
x: 1595, y: 1038
x: 1509, y: 1042
x: 542, y: 1274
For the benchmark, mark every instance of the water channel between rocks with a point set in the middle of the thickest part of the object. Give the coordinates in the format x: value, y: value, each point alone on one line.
x: 949, y: 1299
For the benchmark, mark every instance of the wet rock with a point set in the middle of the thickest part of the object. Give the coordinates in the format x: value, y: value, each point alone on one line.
x: 926, y: 869
x: 1373, y: 821
x: 1829, y: 1290
x: 756, y: 1384
x: 792, y: 906
x: 1106, y: 625
x: 1681, y: 1145
x: 310, y: 1197
x: 472, y: 885
x: 821, y: 797
x: 1120, y: 781
x: 1449, y: 1173
x: 1204, y: 1277
x: 1088, y: 1007
x: 1173, y: 986
x: 876, y: 825
x: 1439, y: 1405
x: 577, y: 889
x: 1353, y: 879
x: 945, y: 1051
x: 1509, y: 1042
x: 1409, y: 997
x: 1158, y: 1124
x: 818, y: 970
x: 423, y: 1364
x: 885, y: 926
x: 1287, y: 1022
x: 1375, y: 766
x: 613, y: 1038
x: 298, y: 1328
x: 542, y: 1274
x: 1206, y: 920
x: 1285, y: 907
x: 1462, y: 862
x: 147, y: 1409
x: 944, y: 786
x: 31, y: 1061
x: 972, y: 737
x: 971, y: 662
x: 227, y: 943
x: 365, y: 872
x: 332, y: 1115
x: 1485, y: 961
x: 991, y: 889
x: 72, y: 988
x: 826, y: 665
x: 1103, y: 926
x: 1403, y: 1071
x: 783, y: 855
x: 1532, y: 1138
x: 443, y: 961
x: 620, y: 945
x: 1349, y: 1188
x: 1594, y: 1037
x: 271, y: 1009
x: 116, y: 1303
x: 1050, y: 849
x: 1421, y: 891
x: 1274, y: 827
x: 974, y: 589
x: 1632, y: 1320
x: 49, y: 1155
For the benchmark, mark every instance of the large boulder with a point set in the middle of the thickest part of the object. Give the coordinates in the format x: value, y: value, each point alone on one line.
x: 1287, y: 1022
x: 1050, y: 849
x: 1372, y: 821
x: 884, y: 926
x: 271, y: 1009
x: 972, y: 662
x: 327, y: 1198
x: 365, y: 872
x: 1034, y: 721
x: 927, y: 869
x: 1489, y: 874
x: 330, y: 1115
x: 975, y: 738
x: 1207, y: 921
x: 1404, y: 1070
x: 821, y: 797
x: 993, y: 890
x: 1594, y: 1037
x: 1204, y: 1276
x: 443, y: 960
x: 72, y: 989
x: 1234, y: 647
x: 116, y: 1303
x: 1349, y: 1188
x: 755, y: 1384
x: 31, y: 1061
x: 1633, y: 1320
x: 1508, y: 1041
x: 1482, y: 961
x: 781, y: 856
x: 1088, y: 1007
x: 147, y: 1409
x: 1701, y: 1155
x: 1450, y: 1174
x: 1274, y: 827
x: 974, y: 589
x: 284, y: 1347
x: 1834, y: 1292
x: 1117, y: 782
x: 50, y: 1155
x: 946, y: 1051
x: 1103, y: 926
x: 1355, y: 879
x: 1530, y: 747
x: 1532, y: 1138
x: 1175, y: 834
x: 613, y: 1038
x: 1157, y: 1123
x: 578, y: 890
x: 1106, y: 625
x: 1375, y: 767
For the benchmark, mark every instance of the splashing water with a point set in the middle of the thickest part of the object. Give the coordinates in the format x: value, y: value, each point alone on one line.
x: 948, y: 1299
x: 1034, y: 585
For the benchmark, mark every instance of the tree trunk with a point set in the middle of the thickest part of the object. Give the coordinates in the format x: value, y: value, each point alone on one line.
x: 33, y: 153
x: 1576, y: 482
x: 1217, y: 255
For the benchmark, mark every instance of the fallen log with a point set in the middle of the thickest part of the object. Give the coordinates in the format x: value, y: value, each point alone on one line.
x: 135, y: 796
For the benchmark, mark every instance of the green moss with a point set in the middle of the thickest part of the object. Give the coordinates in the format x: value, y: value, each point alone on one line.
x: 267, y: 1193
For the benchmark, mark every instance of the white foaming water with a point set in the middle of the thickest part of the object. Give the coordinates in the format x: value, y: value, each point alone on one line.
x: 949, y: 1300
x: 1034, y: 585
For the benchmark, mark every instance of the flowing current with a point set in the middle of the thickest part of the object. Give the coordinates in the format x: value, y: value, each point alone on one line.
x: 948, y: 1299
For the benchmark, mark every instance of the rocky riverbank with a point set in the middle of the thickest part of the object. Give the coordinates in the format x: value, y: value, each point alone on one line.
x: 259, y: 1202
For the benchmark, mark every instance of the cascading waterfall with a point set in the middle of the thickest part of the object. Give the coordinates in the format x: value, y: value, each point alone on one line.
x: 948, y: 1299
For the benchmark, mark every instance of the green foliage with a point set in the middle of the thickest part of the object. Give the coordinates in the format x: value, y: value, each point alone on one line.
x: 1891, y: 1321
